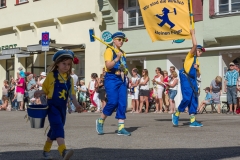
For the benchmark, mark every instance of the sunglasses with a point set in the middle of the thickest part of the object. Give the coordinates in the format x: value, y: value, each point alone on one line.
x: 121, y: 39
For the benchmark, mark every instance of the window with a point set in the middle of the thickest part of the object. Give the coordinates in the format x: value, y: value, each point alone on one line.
x: 23, y: 1
x: 133, y: 15
x: 2, y: 3
x: 227, y: 6
x: 9, y: 68
x: 29, y: 64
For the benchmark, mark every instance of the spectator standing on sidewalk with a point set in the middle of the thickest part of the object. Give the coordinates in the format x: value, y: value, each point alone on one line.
x: 31, y: 86
x: 41, y: 79
x: 20, y: 84
x: 230, y: 86
x: 75, y: 79
x: 166, y: 90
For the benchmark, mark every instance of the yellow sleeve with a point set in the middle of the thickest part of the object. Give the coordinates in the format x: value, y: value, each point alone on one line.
x: 188, y: 62
x: 45, y: 85
x: 108, y: 55
x: 72, y: 87
x: 48, y: 85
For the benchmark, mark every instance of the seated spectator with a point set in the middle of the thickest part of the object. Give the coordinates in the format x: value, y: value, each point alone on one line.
x: 5, y: 88
x: 216, y: 91
x: 5, y: 103
x: 208, y: 99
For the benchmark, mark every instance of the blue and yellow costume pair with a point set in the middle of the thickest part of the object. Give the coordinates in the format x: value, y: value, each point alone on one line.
x: 189, y: 88
x: 116, y: 88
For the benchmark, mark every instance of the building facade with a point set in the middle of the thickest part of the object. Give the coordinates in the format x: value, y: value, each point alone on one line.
x: 68, y: 22
x: 217, y: 29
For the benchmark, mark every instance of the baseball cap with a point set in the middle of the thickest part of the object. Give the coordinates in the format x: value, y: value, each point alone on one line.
x: 207, y: 88
x: 201, y: 47
x: 43, y: 74
x: 231, y: 64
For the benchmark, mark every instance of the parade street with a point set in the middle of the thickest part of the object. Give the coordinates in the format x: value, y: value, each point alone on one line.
x: 153, y: 137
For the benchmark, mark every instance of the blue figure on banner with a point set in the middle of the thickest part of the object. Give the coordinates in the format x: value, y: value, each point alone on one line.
x: 165, y: 18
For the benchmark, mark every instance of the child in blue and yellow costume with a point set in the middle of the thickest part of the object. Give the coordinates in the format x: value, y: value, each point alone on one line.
x: 188, y: 79
x: 115, y: 85
x: 58, y: 87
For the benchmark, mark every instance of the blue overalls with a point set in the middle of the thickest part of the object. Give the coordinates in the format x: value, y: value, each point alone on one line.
x: 189, y: 90
x: 116, y: 90
x: 57, y: 108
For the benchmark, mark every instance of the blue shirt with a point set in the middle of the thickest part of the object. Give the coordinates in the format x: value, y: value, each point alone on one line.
x: 208, y: 96
x: 231, y: 77
x: 31, y: 83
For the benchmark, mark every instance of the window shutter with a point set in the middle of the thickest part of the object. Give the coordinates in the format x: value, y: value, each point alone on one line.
x: 197, y: 10
x: 17, y: 1
x: 211, y: 8
x: 120, y: 14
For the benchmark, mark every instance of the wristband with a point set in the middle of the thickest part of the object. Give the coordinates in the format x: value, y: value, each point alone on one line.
x: 114, y: 60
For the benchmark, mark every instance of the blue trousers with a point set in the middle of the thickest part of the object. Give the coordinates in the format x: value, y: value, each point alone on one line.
x: 189, y: 99
x: 57, y: 118
x: 116, y: 90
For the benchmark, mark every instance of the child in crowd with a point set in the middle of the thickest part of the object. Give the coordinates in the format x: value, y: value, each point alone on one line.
x: 21, y: 73
x: 208, y: 99
x: 82, y: 89
x: 58, y: 86
x: 4, y: 106
x: 91, y: 89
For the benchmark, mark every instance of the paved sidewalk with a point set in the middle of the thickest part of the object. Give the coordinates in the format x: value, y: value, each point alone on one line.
x: 153, y: 138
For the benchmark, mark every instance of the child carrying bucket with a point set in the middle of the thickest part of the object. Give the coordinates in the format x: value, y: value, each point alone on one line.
x: 57, y: 86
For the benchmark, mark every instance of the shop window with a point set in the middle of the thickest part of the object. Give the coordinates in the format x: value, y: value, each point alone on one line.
x: 227, y: 6
x: 80, y: 68
x: 9, y: 69
x: 2, y: 3
x: 133, y: 15
x: 29, y: 64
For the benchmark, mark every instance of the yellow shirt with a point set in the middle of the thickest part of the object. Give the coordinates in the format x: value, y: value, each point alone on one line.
x: 108, y: 56
x: 189, y: 62
x: 48, y: 84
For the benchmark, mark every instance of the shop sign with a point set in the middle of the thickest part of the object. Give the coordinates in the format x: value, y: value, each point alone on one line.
x: 11, y: 46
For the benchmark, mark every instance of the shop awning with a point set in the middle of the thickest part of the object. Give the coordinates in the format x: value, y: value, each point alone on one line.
x: 5, y: 57
x: 11, y: 51
x: 68, y: 46
x: 54, y: 47
x: 22, y: 55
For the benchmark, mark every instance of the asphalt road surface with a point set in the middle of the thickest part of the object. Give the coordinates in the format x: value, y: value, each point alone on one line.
x: 153, y: 138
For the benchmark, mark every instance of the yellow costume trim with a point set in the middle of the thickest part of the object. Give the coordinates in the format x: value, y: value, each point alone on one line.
x: 177, y: 113
x: 192, y: 119
x: 61, y: 148
x: 101, y: 121
x: 189, y: 62
x: 47, y: 146
x: 62, y: 94
x: 120, y: 126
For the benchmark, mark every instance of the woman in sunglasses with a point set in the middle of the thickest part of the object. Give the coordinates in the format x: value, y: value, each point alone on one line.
x: 115, y: 85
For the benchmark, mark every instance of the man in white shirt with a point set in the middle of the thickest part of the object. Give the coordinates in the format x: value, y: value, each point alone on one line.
x: 75, y: 79
x: 41, y: 80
